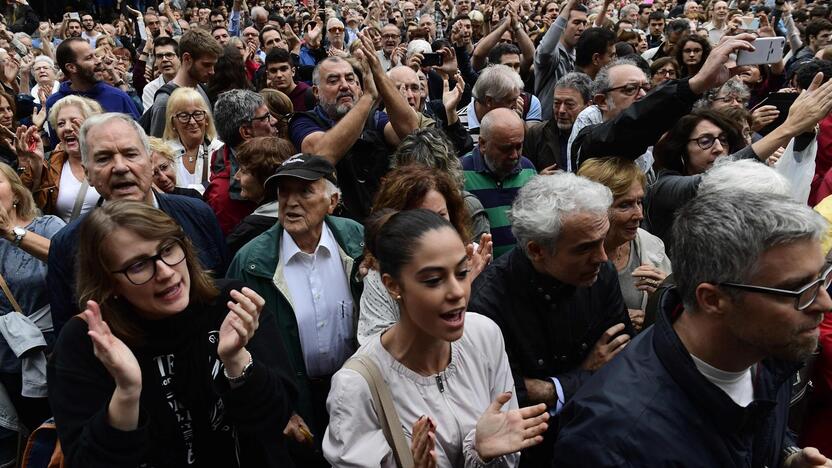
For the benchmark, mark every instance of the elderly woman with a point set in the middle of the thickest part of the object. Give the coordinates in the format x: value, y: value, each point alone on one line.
x: 166, y: 366
x: 698, y: 139
x: 59, y: 184
x: 258, y: 158
x: 638, y: 256
x: 164, y: 169
x: 690, y: 53
x: 189, y: 129
x: 23, y: 251
x: 45, y: 74
x: 407, y: 188
x: 663, y: 69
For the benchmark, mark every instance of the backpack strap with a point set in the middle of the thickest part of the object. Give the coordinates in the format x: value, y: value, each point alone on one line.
x: 391, y: 425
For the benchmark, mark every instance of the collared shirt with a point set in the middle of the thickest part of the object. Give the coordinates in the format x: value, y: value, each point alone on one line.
x: 321, y: 300
x: 496, y: 195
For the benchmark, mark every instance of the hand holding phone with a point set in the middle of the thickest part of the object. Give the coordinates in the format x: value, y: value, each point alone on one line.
x: 767, y: 50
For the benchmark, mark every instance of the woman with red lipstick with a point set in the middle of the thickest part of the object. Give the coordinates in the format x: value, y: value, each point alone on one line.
x: 59, y: 183
x: 638, y: 256
x: 446, y: 368
x: 164, y: 367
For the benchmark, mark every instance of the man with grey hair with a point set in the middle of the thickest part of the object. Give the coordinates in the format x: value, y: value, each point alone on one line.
x: 115, y: 154
x: 305, y: 269
x: 240, y: 115
x: 555, y: 296
x: 545, y: 143
x: 615, y: 88
x: 710, y: 383
x: 497, y: 86
x: 495, y: 170
x: 347, y: 129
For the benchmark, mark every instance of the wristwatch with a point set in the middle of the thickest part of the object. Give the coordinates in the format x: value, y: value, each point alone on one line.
x: 238, y: 380
x: 19, y: 234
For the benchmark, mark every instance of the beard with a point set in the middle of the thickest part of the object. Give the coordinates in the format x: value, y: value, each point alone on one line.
x: 337, y: 111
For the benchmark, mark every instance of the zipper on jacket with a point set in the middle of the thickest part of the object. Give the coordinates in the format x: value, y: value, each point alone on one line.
x: 439, y: 383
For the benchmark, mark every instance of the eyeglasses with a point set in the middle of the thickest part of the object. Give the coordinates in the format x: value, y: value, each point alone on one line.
x: 731, y: 98
x: 632, y: 88
x: 803, y: 297
x: 335, y: 30
x: 283, y: 117
x: 265, y: 116
x: 160, y: 169
x: 171, y: 253
x: 184, y: 117
x: 166, y: 55
x: 707, y: 140
x: 668, y: 72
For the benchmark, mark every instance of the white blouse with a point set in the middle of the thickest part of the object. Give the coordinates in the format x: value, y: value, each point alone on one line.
x: 478, y: 373
x: 187, y: 179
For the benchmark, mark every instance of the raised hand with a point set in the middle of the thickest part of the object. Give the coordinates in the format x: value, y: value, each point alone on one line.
x: 116, y: 357
x: 415, y: 61
x: 423, y: 443
x: 29, y: 145
x: 720, y: 65
x: 239, y: 325
x: 480, y: 258
x: 500, y: 433
x: 812, y: 105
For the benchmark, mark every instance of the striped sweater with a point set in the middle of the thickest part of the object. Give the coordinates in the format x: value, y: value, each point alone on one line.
x: 495, y: 195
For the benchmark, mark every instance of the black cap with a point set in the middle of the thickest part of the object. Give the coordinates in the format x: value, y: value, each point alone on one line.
x: 303, y: 166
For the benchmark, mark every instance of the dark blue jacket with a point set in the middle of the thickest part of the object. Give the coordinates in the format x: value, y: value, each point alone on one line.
x: 193, y: 215
x: 651, y: 407
x: 111, y: 99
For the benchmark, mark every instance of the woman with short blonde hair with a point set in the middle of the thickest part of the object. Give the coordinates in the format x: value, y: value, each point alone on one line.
x: 189, y: 129
x: 638, y: 256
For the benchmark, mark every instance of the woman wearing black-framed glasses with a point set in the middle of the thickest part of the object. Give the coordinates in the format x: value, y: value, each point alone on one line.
x: 166, y: 366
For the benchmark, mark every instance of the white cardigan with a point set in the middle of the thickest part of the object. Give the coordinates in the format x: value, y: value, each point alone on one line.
x: 478, y: 372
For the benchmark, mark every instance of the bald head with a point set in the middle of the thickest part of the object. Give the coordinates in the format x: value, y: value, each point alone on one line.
x: 501, y: 140
x: 407, y: 82
x: 498, y: 119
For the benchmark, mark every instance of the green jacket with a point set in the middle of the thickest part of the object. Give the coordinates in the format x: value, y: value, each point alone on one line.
x: 256, y: 264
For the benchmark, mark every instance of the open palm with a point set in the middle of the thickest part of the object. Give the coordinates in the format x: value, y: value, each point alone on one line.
x: 500, y: 433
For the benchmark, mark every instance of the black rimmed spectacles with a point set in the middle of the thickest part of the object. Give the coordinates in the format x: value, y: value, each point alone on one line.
x: 632, y: 88
x: 707, y: 141
x: 184, y: 117
x: 803, y: 297
x: 171, y: 253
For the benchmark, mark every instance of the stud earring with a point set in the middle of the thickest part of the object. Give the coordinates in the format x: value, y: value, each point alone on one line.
x: 398, y: 298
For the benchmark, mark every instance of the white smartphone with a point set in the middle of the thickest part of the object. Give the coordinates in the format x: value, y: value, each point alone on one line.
x: 75, y: 15
x: 767, y: 50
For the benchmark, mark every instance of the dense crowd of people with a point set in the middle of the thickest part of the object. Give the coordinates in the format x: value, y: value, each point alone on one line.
x: 404, y: 233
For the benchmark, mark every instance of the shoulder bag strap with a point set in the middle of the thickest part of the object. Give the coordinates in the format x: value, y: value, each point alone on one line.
x: 79, y: 200
x: 15, y: 305
x: 391, y: 425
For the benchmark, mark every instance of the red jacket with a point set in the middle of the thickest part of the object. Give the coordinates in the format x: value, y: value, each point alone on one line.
x: 228, y: 207
x: 818, y: 426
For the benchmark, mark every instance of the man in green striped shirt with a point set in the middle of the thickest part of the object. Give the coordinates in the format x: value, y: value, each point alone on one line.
x: 495, y: 170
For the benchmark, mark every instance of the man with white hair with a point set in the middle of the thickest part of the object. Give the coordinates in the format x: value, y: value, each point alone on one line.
x: 305, y: 269
x: 115, y: 153
x: 497, y: 86
x: 496, y: 169
x: 259, y: 17
x: 556, y: 296
x: 710, y: 383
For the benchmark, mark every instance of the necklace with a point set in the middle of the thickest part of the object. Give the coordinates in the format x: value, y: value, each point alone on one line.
x: 619, y: 252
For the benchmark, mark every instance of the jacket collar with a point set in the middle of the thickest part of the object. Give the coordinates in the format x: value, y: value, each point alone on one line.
x: 479, y: 165
x: 523, y: 276
x: 729, y: 418
x: 264, y: 264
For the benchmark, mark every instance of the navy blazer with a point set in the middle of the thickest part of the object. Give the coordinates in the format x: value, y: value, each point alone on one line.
x: 193, y: 215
